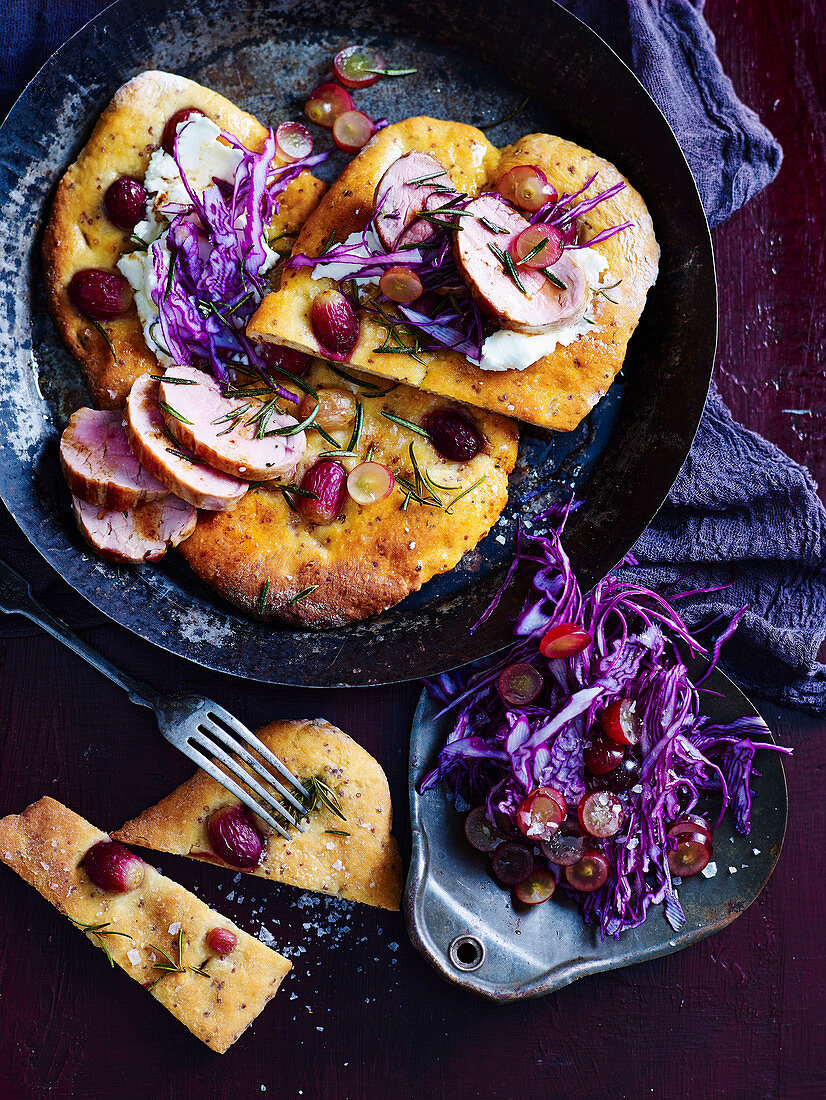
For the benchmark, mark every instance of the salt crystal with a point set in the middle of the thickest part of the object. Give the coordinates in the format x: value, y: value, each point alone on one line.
x: 732, y: 870
x: 134, y: 956
x: 756, y: 851
x: 45, y: 866
x: 500, y: 539
x: 710, y: 870
x: 174, y: 928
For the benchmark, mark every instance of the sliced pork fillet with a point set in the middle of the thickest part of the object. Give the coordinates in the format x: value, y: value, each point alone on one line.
x: 176, y: 466
x: 200, y: 417
x: 412, y: 184
x: 142, y: 533
x: 541, y: 305
x: 99, y: 464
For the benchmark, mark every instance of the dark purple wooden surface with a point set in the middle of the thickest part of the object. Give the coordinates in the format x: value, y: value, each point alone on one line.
x: 740, y: 1015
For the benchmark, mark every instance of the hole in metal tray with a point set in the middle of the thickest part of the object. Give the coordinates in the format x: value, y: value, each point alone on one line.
x: 466, y: 953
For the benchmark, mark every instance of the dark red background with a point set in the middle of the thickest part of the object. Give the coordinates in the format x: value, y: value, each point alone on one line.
x: 740, y: 1015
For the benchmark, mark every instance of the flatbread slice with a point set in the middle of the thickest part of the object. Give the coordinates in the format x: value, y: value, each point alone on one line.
x: 79, y: 235
x: 351, y: 856
x: 46, y: 845
x: 559, y: 389
x: 266, y: 559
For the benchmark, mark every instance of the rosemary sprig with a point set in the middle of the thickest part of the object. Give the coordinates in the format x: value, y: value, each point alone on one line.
x: 554, y: 278
x: 340, y: 453
x: 537, y: 248
x: 362, y: 382
x: 328, y: 244
x: 422, y: 477
x: 321, y: 795
x: 138, y: 240
x: 426, y: 179
x: 336, y: 832
x: 294, y: 429
x: 98, y: 931
x: 262, y: 597
x: 171, y: 967
x: 279, y: 237
x: 174, y: 381
x: 155, y: 339
x: 169, y: 276
x: 492, y: 227
x: 326, y: 435
x: 602, y: 290
x: 302, y: 594
x: 391, y: 72
x: 172, y: 412
x: 508, y: 117
x: 97, y: 325
x: 507, y: 265
x: 417, y: 428
x: 357, y: 426
x: 464, y: 493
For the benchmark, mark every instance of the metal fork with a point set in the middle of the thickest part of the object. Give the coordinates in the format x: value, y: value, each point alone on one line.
x: 198, y: 726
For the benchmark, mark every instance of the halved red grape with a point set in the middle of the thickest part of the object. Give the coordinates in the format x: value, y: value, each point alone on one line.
x: 688, y: 854
x: 326, y: 103
x: 327, y: 481
x: 520, y: 684
x: 453, y: 435
x: 567, y: 846
x: 171, y: 129
x: 480, y: 833
x: 564, y: 640
x: 603, y: 756
x: 622, y: 778
x: 125, y: 202
x: 100, y: 294
x: 335, y: 325
x: 400, y: 284
x: 690, y: 823
x: 277, y: 357
x: 352, y: 130
x: 527, y: 187
x: 293, y: 141
x: 234, y: 837
x: 537, y: 888
x: 512, y: 864
x: 537, y: 246
x: 589, y: 873
x: 352, y: 66
x: 541, y: 813
x: 600, y: 813
x: 370, y: 482
x: 621, y: 722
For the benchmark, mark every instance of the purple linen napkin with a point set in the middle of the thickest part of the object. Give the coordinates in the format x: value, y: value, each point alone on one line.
x: 740, y: 510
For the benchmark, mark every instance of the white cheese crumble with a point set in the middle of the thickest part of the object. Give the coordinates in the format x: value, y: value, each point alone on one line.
x: 507, y: 350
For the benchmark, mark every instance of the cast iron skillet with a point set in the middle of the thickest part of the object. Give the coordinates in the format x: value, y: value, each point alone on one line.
x: 266, y: 58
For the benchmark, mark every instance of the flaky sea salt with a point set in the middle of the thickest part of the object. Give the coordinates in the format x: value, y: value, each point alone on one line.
x: 174, y: 928
x: 134, y: 956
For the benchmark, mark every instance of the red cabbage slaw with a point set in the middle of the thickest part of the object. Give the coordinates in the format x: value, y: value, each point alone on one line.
x: 497, y: 754
x: 207, y: 269
x: 453, y: 319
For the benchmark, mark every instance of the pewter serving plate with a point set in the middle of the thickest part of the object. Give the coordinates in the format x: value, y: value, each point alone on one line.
x: 476, y: 62
x: 466, y: 925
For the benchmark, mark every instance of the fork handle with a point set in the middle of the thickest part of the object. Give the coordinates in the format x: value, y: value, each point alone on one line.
x: 16, y: 599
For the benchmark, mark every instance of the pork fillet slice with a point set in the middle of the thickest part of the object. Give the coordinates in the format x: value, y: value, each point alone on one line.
x: 142, y: 533
x: 99, y: 465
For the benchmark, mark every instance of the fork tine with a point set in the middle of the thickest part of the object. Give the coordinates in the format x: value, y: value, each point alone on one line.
x: 245, y: 776
x: 204, y: 762
x: 215, y: 730
x: 254, y: 742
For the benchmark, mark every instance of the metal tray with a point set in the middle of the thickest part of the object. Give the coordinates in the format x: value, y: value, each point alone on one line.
x: 465, y: 924
x: 266, y: 57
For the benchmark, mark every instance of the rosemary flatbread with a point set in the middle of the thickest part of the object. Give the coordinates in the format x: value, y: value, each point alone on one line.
x: 268, y: 560
x: 347, y: 848
x: 560, y: 387
x: 214, y: 986
x: 79, y: 235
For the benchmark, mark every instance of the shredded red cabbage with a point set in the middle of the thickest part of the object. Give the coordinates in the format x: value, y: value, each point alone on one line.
x: 452, y: 318
x: 208, y: 278
x: 497, y: 754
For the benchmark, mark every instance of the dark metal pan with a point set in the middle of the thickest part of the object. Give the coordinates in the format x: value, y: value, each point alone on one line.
x: 476, y: 62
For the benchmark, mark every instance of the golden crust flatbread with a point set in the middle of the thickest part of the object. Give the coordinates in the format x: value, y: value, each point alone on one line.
x: 46, y: 845
x: 262, y: 555
x: 558, y: 390
x: 355, y: 858
x: 79, y: 235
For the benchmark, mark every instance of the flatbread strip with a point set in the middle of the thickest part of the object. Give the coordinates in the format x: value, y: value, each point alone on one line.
x: 45, y: 846
x: 558, y: 390
x: 79, y: 235
x: 262, y: 555
x: 355, y: 858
